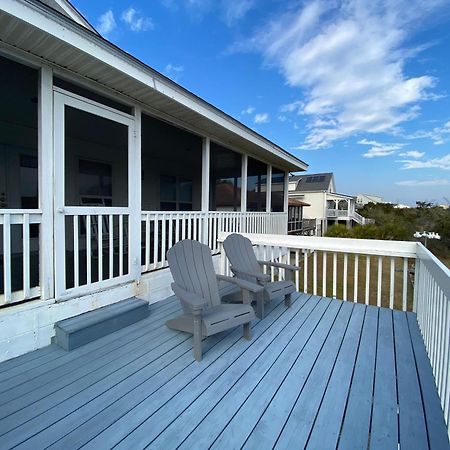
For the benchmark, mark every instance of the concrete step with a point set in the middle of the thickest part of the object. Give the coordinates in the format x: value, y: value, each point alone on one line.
x: 80, y: 330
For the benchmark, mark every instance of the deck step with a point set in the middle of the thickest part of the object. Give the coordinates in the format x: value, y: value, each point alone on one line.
x: 80, y: 330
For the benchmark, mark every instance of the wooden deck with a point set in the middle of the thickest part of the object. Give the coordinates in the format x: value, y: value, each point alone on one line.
x: 322, y: 374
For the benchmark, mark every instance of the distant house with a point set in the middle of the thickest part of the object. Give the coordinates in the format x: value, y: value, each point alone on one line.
x: 327, y: 205
x: 364, y: 199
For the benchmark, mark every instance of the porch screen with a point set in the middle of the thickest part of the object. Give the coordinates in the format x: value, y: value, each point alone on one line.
x: 225, y: 179
x: 256, y: 185
x: 277, y: 196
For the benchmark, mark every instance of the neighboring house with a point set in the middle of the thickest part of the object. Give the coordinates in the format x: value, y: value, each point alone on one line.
x: 364, y: 199
x: 104, y: 165
x: 326, y: 205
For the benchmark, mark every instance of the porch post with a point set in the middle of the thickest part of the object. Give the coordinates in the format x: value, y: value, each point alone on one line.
x: 244, y: 183
x: 134, y: 200
x: 45, y: 176
x: 206, y: 158
x: 269, y: 189
x: 286, y: 191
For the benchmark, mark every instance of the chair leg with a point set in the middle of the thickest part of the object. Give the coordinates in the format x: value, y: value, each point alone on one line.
x: 288, y: 300
x: 260, y: 305
x: 197, y: 338
x: 247, y: 331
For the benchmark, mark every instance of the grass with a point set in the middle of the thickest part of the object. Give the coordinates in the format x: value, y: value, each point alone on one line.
x: 361, y: 285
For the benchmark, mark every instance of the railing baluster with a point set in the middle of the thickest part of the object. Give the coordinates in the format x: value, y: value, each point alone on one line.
x: 111, y: 246
x: 26, y: 255
x: 344, y: 286
x: 297, y: 272
x: 380, y: 276
x: 76, y: 252
x: 100, y: 247
x: 305, y: 271
x: 405, y: 285
x: 315, y: 272
x: 147, y: 242
x: 367, y: 279
x: 334, y: 274
x: 7, y: 257
x: 120, y: 245
x: 163, y: 240
x: 324, y: 274
x: 392, y: 284
x: 88, y: 249
x: 355, y: 281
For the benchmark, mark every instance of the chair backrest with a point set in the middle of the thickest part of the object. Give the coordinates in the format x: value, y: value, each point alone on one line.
x: 240, y: 253
x: 192, y: 269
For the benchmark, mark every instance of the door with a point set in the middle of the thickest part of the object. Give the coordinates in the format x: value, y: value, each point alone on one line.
x: 97, y: 210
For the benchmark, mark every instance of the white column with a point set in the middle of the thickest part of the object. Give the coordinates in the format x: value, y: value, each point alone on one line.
x: 46, y: 190
x: 269, y: 189
x: 286, y: 192
x: 244, y: 183
x: 206, y: 161
x: 206, y: 157
x: 134, y: 196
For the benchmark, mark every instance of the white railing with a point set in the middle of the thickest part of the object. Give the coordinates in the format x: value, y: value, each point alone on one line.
x: 161, y: 230
x: 96, y: 249
x: 19, y: 245
x: 431, y: 303
x: 364, y: 271
x: 394, y: 274
x: 344, y: 213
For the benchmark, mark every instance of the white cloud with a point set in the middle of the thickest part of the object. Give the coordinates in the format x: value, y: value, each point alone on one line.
x: 435, y: 163
x: 410, y: 183
x: 412, y: 154
x: 261, y: 118
x: 249, y: 110
x: 282, y: 118
x: 173, y: 71
x: 106, y: 23
x: 348, y: 59
x: 379, y: 149
x: 236, y: 10
x: 135, y: 21
x: 439, y: 135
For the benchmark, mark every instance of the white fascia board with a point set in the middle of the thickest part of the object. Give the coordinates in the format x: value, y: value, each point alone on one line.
x: 62, y: 28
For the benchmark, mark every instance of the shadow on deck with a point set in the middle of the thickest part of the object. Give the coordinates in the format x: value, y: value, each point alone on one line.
x: 322, y: 374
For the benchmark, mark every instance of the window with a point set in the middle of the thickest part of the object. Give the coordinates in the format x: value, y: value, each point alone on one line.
x: 175, y: 193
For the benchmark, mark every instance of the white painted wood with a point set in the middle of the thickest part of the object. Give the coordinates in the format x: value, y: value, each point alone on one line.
x: 206, y: 162
x: 392, y: 284
x: 26, y: 255
x: 405, y: 284
x: 355, y: 277
x: 380, y: 278
x: 269, y: 189
x: 367, y: 290
x: 334, y: 275
x: 324, y: 274
x: 244, y: 169
x: 315, y: 273
x: 45, y: 182
x: 344, y: 287
x: 286, y: 194
x: 76, y: 251
x: 7, y: 258
x: 100, y: 247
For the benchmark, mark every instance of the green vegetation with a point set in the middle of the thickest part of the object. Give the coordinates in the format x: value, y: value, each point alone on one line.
x: 401, y: 224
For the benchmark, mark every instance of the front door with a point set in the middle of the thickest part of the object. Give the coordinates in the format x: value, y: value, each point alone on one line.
x: 95, y: 201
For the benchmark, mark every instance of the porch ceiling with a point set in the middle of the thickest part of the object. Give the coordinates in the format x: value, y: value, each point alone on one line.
x: 32, y: 27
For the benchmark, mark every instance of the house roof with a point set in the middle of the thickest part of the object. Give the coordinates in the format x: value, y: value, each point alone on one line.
x: 297, y: 202
x: 74, y: 50
x: 312, y: 182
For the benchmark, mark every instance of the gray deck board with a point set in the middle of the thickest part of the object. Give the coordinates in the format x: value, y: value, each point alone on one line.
x: 320, y: 374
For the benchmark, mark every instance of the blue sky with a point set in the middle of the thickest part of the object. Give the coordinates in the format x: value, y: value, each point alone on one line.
x: 359, y: 88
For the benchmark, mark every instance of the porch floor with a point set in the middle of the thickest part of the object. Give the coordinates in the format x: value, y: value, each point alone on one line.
x: 321, y: 374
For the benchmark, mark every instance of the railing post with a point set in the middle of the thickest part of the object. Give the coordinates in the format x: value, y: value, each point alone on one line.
x: 269, y: 189
x: 417, y: 284
x: 46, y: 185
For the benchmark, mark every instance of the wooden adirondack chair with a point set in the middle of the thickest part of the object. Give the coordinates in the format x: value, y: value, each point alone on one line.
x: 245, y: 266
x: 196, y: 286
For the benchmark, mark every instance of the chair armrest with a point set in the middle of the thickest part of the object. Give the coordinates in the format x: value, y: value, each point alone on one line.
x: 279, y: 265
x: 258, y: 276
x: 243, y: 284
x: 196, y: 302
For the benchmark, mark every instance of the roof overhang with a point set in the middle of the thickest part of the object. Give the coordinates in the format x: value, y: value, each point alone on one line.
x: 32, y: 27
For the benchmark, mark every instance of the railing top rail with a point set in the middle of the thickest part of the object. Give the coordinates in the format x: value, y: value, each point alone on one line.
x: 94, y: 210
x: 437, y: 269
x: 236, y: 213
x: 340, y: 245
